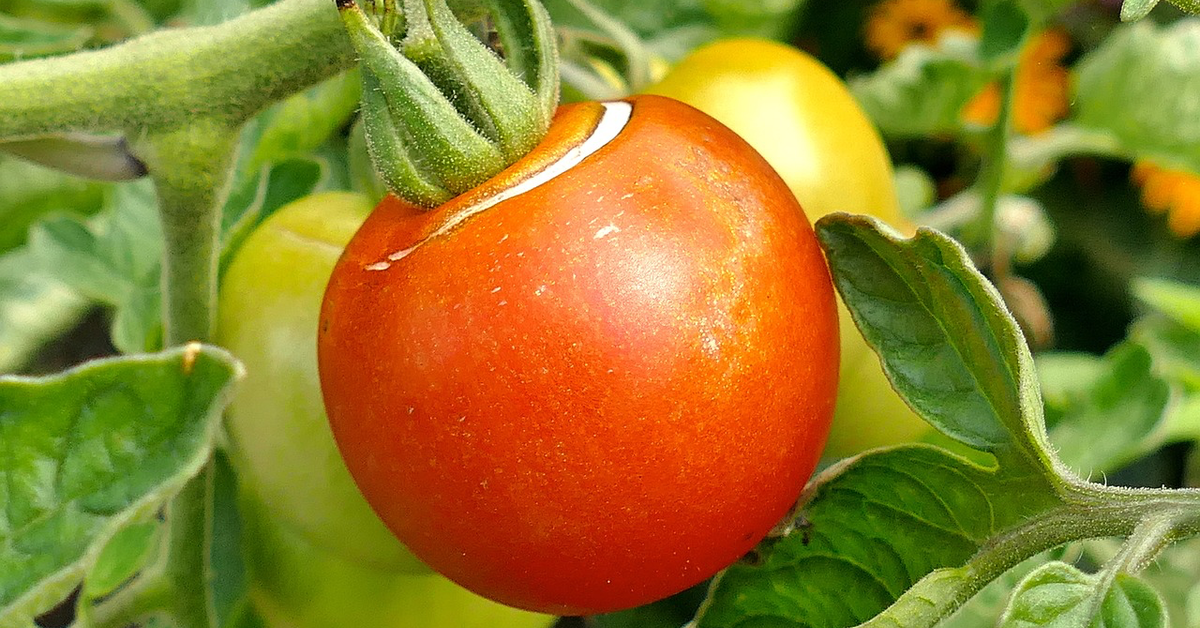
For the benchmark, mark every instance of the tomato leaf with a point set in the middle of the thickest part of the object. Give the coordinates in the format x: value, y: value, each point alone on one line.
x: 91, y: 451
x: 22, y: 38
x: 1127, y: 402
x: 1177, y: 300
x: 112, y: 258
x: 888, y: 521
x: 34, y: 307
x: 1005, y: 26
x: 1139, y: 88
x: 297, y: 126
x: 29, y: 191
x: 1058, y: 594
x: 923, y: 91
x: 947, y: 343
x: 1134, y: 10
x: 257, y: 197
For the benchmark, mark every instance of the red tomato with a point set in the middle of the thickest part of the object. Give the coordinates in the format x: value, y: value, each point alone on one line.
x: 582, y: 393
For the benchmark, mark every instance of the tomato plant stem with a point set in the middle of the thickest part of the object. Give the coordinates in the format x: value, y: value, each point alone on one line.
x: 982, y: 234
x: 230, y: 72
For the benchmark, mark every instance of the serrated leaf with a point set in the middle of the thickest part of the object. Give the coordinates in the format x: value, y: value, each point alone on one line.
x: 1133, y: 10
x: 22, y: 38
x: 1115, y: 419
x: 947, y: 343
x: 1178, y: 300
x: 1060, y: 596
x: 885, y: 522
x: 923, y: 91
x: 34, y: 308
x: 91, y: 450
x: 122, y: 557
x: 1139, y: 87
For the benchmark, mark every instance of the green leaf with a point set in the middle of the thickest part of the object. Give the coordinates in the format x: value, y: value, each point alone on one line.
x: 1179, y: 301
x: 295, y: 127
x: 90, y: 451
x: 923, y: 91
x: 22, y: 38
x: 672, y: 612
x: 1005, y: 26
x: 1134, y: 10
x: 872, y: 530
x: 1139, y: 87
x: 29, y: 191
x: 130, y: 549
x: 1117, y: 417
x: 113, y: 258
x: 34, y: 308
x: 1040, y: 11
x: 1176, y: 349
x: 1059, y: 595
x: 258, y: 196
x: 947, y: 343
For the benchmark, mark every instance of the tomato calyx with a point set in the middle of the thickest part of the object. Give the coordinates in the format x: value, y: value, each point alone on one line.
x: 442, y: 112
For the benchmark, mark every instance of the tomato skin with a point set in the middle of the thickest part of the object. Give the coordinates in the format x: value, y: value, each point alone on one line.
x: 599, y: 392
x: 280, y: 440
x: 802, y: 119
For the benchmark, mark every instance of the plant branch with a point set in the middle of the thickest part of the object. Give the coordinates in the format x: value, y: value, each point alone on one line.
x: 982, y: 234
x: 163, y: 79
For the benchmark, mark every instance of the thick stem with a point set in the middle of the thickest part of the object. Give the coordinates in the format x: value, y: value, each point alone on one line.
x: 161, y: 80
x: 191, y: 168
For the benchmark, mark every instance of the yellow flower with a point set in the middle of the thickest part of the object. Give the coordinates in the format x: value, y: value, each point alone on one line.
x: 1175, y: 192
x: 1040, y: 87
x: 893, y: 24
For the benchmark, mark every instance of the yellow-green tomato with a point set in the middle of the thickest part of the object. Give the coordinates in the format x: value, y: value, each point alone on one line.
x: 803, y: 120
x: 281, y: 444
x: 296, y: 585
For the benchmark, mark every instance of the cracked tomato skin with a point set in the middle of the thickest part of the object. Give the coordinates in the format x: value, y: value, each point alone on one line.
x: 598, y: 392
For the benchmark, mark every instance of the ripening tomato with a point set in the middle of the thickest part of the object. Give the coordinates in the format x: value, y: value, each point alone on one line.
x: 803, y: 120
x: 279, y: 437
x: 598, y: 378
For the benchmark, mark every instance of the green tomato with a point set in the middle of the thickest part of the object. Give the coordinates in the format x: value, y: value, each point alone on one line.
x: 803, y: 120
x: 280, y: 441
x: 296, y: 585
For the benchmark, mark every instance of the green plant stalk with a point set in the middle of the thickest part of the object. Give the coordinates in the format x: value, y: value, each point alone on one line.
x: 163, y: 79
x: 1149, y: 517
x: 982, y: 235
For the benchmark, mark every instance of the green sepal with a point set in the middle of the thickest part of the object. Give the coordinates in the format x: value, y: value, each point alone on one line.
x: 452, y: 151
x: 494, y: 99
x: 442, y: 113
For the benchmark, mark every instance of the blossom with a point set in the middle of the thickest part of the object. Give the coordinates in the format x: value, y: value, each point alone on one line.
x: 893, y: 24
x: 1173, y: 192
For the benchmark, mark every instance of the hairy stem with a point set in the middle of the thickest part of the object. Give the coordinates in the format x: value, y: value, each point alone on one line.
x: 982, y: 234
x: 161, y: 80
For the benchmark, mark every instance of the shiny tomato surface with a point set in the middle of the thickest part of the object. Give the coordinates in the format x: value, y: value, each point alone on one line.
x: 801, y: 117
x: 600, y: 390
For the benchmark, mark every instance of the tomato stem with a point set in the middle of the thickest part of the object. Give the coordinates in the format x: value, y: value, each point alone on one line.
x: 982, y: 234
x: 441, y: 111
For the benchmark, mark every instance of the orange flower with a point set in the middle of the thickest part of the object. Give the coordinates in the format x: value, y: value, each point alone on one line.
x: 1040, y: 87
x: 1175, y: 192
x: 893, y: 24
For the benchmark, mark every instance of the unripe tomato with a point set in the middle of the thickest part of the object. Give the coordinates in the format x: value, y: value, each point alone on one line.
x: 584, y: 392
x: 294, y: 584
x: 280, y: 439
x: 804, y: 121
